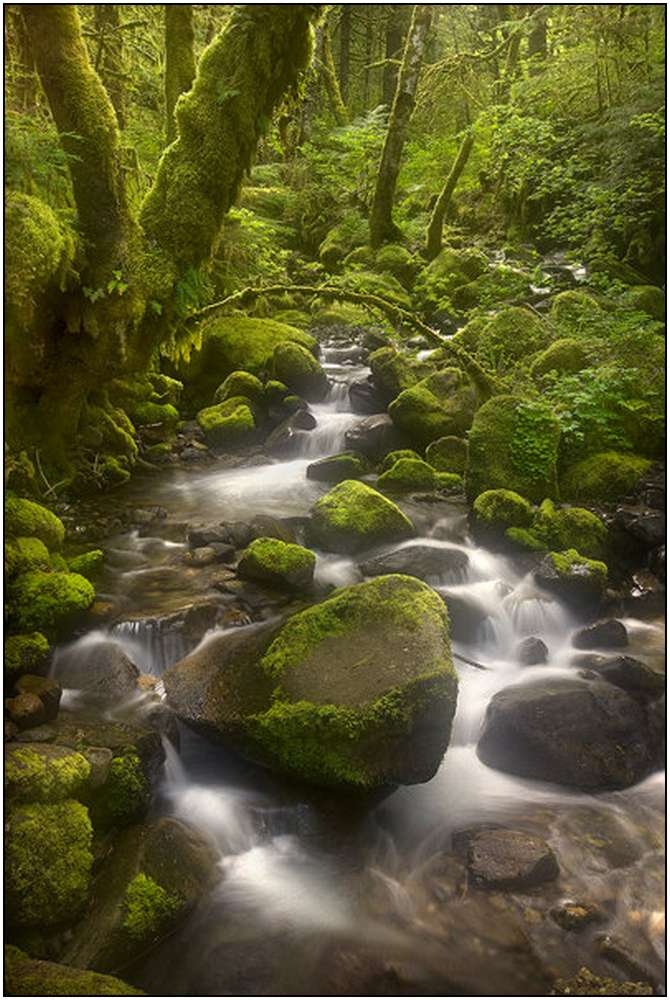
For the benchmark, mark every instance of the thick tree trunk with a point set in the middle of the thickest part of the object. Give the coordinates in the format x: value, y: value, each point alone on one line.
x: 179, y: 60
x: 345, y: 50
x: 434, y: 231
x: 382, y: 227
x: 89, y: 133
x: 396, y: 29
x: 326, y: 64
x: 241, y: 77
x: 110, y: 58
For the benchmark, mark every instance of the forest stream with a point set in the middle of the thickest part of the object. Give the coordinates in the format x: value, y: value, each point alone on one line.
x: 320, y: 894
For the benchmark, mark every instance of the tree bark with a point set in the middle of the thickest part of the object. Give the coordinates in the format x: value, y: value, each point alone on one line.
x: 110, y: 59
x: 396, y: 29
x: 537, y: 40
x: 434, y: 231
x: 326, y: 63
x: 345, y: 50
x: 382, y: 227
x: 179, y: 60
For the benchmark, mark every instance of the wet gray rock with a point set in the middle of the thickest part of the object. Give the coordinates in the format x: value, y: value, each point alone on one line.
x: 364, y: 398
x: 575, y: 916
x: 625, y: 672
x: 646, y: 526
x: 646, y: 595
x: 47, y: 690
x: 610, y: 634
x: 336, y: 468
x: 266, y: 526
x: 579, y: 585
x: 466, y: 615
x: 284, y: 439
x: 510, y: 859
x: 102, y: 671
x: 427, y: 562
x: 202, y: 535
x: 531, y: 651
x: 375, y: 436
x: 570, y: 732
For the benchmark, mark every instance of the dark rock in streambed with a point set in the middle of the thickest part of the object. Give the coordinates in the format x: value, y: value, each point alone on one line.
x: 609, y: 634
x: 375, y: 437
x: 509, y: 859
x: 209, y: 555
x: 646, y: 595
x: 356, y: 693
x: 25, y: 710
x: 466, y: 615
x: 623, y: 671
x: 47, y: 690
x: 284, y: 439
x: 336, y: 468
x: 578, y: 581
x: 426, y: 562
x: 154, y: 877
x: 573, y: 733
x: 101, y: 670
x: 202, y: 535
x: 575, y: 916
x: 646, y: 526
x: 364, y: 397
x: 531, y: 651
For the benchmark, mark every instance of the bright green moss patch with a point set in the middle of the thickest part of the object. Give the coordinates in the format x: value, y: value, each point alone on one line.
x: 228, y: 425
x: 353, y: 516
x: 44, y: 773
x: 502, y: 509
x: 525, y: 538
x: 297, y: 368
x: 87, y: 564
x: 565, y: 356
x: 603, y: 478
x: 38, y: 251
x: 28, y: 519
x: 124, y: 798
x: 408, y: 474
x: 442, y: 404
x: 28, y: 977
x: 149, y: 908
x: 24, y: 554
x: 239, y: 384
x: 272, y: 561
x: 571, y: 563
x: 25, y: 654
x: 49, y: 602
x: 155, y: 413
x: 395, y: 456
x: 513, y: 333
x: 570, y: 528
x: 48, y: 863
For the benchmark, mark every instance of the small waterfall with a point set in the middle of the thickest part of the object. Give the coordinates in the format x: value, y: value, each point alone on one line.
x: 327, y: 438
x: 152, y: 644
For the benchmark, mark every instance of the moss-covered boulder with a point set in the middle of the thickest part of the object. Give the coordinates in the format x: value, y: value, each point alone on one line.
x: 354, y: 693
x: 149, y: 883
x: 448, y: 454
x: 229, y: 344
x: 577, y: 580
x: 396, y: 260
x: 281, y: 564
x: 125, y: 795
x: 570, y: 528
x: 336, y: 468
x: 496, y: 510
x: 240, y: 384
x: 341, y: 239
x: 352, y: 517
x: 25, y: 654
x: 447, y: 272
x: 565, y: 356
x: 392, y: 371
x: 87, y: 564
x: 498, y: 285
x: 648, y: 299
x: 229, y: 425
x: 395, y: 456
x: 513, y: 333
x: 297, y: 368
x: 25, y: 554
x: 441, y: 405
x: 408, y: 474
x: 384, y: 286
x: 149, y: 414
x: 513, y: 445
x: 30, y: 977
x: 52, y: 603
x: 48, y: 863
x: 26, y: 519
x: 603, y: 478
x: 44, y: 773
x: 574, y: 312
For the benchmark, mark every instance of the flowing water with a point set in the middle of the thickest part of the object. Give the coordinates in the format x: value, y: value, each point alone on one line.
x: 318, y: 895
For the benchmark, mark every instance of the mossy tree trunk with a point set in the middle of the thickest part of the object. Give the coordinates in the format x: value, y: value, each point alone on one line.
x: 179, y: 59
x: 324, y: 57
x: 19, y: 63
x: 345, y: 50
x: 396, y: 29
x: 110, y: 57
x: 434, y: 231
x: 382, y: 227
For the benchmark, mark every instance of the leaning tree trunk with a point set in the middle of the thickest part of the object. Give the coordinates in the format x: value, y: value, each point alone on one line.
x: 434, y: 231
x: 382, y: 227
x: 179, y: 59
x: 110, y: 57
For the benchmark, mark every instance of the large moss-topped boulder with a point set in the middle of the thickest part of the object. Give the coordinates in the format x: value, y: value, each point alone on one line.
x: 240, y: 384
x: 448, y: 454
x: 354, y: 693
x: 392, y: 371
x: 565, y: 356
x: 48, y: 862
x: 392, y: 258
x: 408, y: 474
x: 603, y: 478
x: 229, y: 344
x: 494, y: 511
x: 570, y: 528
x: 28, y: 519
x: 44, y: 773
x: 513, y: 445
x: 24, y: 554
x: 440, y: 405
x: 297, y: 368
x: 228, y: 425
x: 646, y: 298
x: 513, y: 333
x: 151, y: 880
x: 353, y: 516
x: 281, y: 564
x: 30, y: 977
x: 50, y: 602
x: 25, y: 654
x: 447, y: 272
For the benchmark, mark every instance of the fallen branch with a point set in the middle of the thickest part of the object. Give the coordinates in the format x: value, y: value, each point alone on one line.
x: 485, y: 383
x: 471, y: 663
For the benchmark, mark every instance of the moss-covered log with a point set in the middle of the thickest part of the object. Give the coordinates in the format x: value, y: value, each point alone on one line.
x: 241, y: 78
x: 179, y: 59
